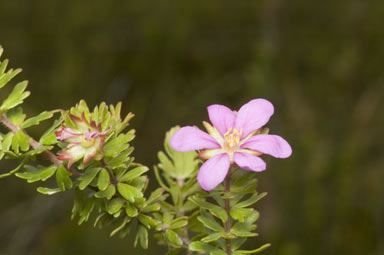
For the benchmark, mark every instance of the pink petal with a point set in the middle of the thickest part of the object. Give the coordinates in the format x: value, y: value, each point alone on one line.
x: 273, y: 145
x: 253, y: 115
x: 213, y: 171
x: 192, y: 138
x: 249, y: 162
x: 221, y: 117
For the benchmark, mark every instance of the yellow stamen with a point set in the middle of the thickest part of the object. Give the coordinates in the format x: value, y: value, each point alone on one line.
x: 232, y: 138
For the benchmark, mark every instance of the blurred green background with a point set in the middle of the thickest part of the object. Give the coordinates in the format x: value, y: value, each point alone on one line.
x: 320, y: 63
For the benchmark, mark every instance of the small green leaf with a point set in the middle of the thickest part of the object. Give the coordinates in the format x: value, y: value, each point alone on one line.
x: 63, y: 178
x: 208, y: 221
x: 200, y: 246
x: 116, y: 145
x: 88, y: 177
x: 155, y: 196
x: 214, y: 209
x: 241, y: 213
x: 49, y: 137
x: 6, y: 77
x: 104, y: 180
x: 108, y: 193
x: 179, y: 223
x: 122, y: 225
x: 16, y: 97
x: 16, y: 116
x: 147, y: 221
x: 37, y: 119
x: 20, y: 141
x: 115, y: 205
x: 129, y: 192
x: 143, y: 236
x: 151, y: 208
x: 134, y: 173
x: 212, y: 237
x: 34, y: 175
x: 262, y: 248
x: 131, y: 210
x: 173, y: 238
x: 48, y: 191
x: 87, y: 210
x: 250, y: 201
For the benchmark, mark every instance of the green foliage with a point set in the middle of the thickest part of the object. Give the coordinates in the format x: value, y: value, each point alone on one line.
x: 221, y: 228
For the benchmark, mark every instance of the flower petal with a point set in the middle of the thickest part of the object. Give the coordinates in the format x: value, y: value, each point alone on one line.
x: 273, y: 145
x: 213, y: 171
x: 249, y: 162
x: 192, y: 138
x: 253, y: 115
x: 221, y: 117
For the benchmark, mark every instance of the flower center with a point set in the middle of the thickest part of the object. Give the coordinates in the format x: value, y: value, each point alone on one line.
x: 87, y: 143
x: 232, y: 138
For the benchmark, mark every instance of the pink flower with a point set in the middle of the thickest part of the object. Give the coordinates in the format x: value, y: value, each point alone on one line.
x: 234, y: 138
x: 84, y: 140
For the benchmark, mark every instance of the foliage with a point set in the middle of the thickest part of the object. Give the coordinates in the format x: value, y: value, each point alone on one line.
x: 94, y: 160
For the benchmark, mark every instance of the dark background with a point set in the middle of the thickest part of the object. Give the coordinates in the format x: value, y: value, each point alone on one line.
x: 320, y: 63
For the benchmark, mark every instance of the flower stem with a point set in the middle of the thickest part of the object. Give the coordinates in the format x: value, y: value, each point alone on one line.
x: 35, y: 144
x: 227, y: 207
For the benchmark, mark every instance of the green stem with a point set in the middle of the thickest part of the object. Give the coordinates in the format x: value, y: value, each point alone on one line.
x: 35, y: 144
x: 227, y: 207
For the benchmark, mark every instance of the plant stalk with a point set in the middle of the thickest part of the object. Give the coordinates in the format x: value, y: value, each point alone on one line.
x: 227, y: 207
x: 35, y: 144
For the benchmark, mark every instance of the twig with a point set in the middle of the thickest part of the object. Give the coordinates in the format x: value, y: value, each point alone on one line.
x: 35, y: 144
x: 227, y: 205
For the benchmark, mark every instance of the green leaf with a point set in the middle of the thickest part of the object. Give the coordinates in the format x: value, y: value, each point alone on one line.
x: 20, y: 142
x: 250, y: 201
x: 155, y: 196
x: 63, y: 178
x: 143, y: 236
x: 115, y: 205
x: 7, y: 141
x: 134, y: 173
x: 214, y: 209
x: 6, y: 77
x: 4, y: 64
x: 49, y: 137
x: 16, y: 116
x: 16, y: 97
x: 87, y: 210
x: 88, y: 177
x: 173, y: 238
x: 122, y: 160
x: 48, y: 191
x: 131, y: 210
x: 34, y: 175
x: 122, y: 225
x: 147, y: 221
x: 104, y: 180
x: 115, y: 146
x: 37, y: 119
x: 212, y: 237
x: 151, y: 208
x: 179, y: 223
x: 200, y: 246
x: 14, y: 170
x: 77, y: 203
x: 208, y: 221
x: 129, y: 192
x: 241, y: 213
x: 108, y: 193
x: 262, y: 248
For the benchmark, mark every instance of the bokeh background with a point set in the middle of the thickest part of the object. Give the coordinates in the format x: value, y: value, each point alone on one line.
x: 320, y: 63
